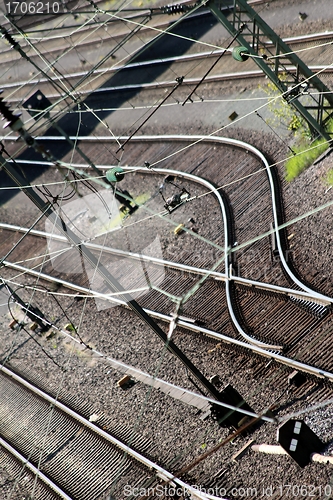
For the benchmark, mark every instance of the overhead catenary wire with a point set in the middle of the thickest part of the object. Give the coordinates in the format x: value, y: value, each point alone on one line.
x: 178, y: 79
x: 113, y: 284
x: 196, y: 40
x: 196, y: 287
x: 253, y: 240
x: 274, y: 132
x: 21, y: 326
x: 48, y: 77
x: 188, y: 98
x: 179, y: 82
x: 137, y: 256
x: 297, y: 51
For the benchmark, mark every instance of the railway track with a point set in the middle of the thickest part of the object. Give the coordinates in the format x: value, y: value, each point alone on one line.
x: 297, y: 42
x: 70, y: 454
x: 115, y: 19
x: 260, y: 181
x: 193, y: 324
x: 311, y: 388
x: 103, y: 80
x: 248, y: 315
x: 291, y: 319
x: 66, y: 432
x: 216, y: 275
x: 307, y: 308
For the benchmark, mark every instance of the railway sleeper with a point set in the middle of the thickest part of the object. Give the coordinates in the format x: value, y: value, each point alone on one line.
x: 317, y: 310
x: 120, y: 431
x: 238, y: 311
x: 262, y: 291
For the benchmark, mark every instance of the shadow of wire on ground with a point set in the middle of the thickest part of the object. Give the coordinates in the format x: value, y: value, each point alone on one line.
x: 166, y: 46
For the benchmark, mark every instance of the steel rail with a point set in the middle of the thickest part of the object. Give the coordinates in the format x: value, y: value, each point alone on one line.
x: 256, y: 152
x: 152, y: 62
x: 113, y: 20
x: 64, y: 35
x: 187, y: 81
x: 106, y: 436
x: 199, y: 401
x: 143, y: 12
x: 221, y: 140
x: 40, y: 475
x: 296, y: 365
x: 121, y: 253
x: 234, y: 319
x: 216, y: 275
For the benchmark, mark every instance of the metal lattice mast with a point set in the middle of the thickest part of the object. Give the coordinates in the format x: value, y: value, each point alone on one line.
x: 300, y: 87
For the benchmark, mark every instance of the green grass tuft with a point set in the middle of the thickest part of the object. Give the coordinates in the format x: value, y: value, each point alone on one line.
x: 304, y: 158
x: 306, y: 155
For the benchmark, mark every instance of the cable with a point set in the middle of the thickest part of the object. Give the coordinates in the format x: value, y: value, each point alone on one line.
x: 263, y: 235
x: 274, y: 132
x: 179, y: 81
x: 167, y: 30
x: 22, y: 238
x: 31, y: 312
x: 299, y: 50
x: 188, y: 98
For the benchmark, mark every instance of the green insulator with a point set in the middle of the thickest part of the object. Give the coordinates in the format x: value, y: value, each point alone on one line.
x: 240, y: 53
x: 115, y: 174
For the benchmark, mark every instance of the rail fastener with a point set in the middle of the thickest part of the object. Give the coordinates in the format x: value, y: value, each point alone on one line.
x: 179, y: 229
x: 240, y: 453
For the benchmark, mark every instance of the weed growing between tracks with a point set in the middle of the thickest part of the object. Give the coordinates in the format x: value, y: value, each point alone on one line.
x: 306, y: 154
x: 283, y: 115
x: 304, y: 157
x: 305, y: 151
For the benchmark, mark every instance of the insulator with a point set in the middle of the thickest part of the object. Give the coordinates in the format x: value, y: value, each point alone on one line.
x: 240, y: 54
x: 177, y: 9
x: 93, y: 4
x: 115, y: 174
x: 13, y: 121
x: 8, y: 37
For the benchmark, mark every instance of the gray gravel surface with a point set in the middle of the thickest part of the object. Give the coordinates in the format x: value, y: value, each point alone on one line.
x: 176, y: 433
x: 179, y: 436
